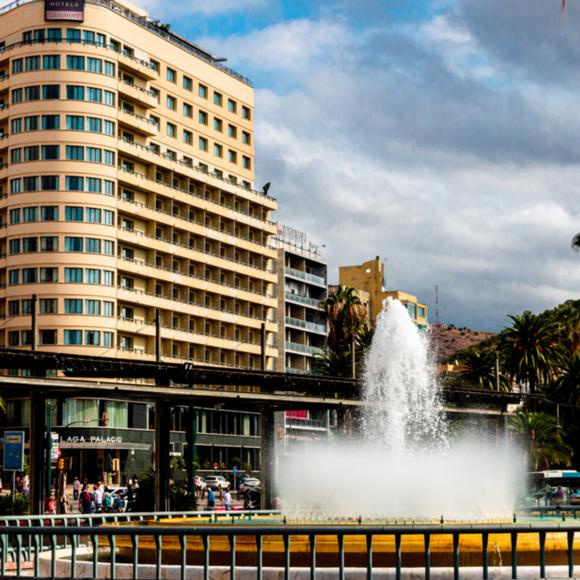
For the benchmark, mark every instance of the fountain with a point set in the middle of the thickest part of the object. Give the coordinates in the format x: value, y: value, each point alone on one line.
x: 406, y: 468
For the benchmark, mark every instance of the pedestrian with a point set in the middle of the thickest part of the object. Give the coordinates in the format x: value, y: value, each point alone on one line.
x: 228, y: 500
x: 99, y: 494
x: 51, y: 505
x: 85, y: 501
x: 135, y: 482
x: 210, y: 499
x: 26, y: 485
x: 76, y: 488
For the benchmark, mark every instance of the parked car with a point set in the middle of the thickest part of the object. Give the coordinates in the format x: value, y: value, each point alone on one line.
x: 248, y: 484
x: 216, y: 482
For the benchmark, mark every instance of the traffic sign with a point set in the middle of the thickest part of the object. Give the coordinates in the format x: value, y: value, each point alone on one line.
x: 54, y: 447
x: 14, y: 450
x: 235, y: 469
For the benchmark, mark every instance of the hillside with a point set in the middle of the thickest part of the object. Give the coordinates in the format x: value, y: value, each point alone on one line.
x: 447, y: 340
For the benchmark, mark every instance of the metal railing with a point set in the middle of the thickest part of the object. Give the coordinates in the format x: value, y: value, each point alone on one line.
x: 305, y: 348
x: 303, y: 300
x: 314, y: 326
x: 306, y: 276
x: 31, y: 541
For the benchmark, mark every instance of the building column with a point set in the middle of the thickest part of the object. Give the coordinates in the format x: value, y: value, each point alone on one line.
x: 162, y: 447
x: 267, y: 463
x: 341, y: 421
x: 191, y: 442
x: 37, y: 441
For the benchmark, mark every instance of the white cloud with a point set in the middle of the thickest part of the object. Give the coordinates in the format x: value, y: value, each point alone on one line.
x: 182, y: 8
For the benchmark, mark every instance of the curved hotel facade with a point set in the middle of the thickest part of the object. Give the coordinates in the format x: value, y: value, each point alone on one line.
x: 126, y: 180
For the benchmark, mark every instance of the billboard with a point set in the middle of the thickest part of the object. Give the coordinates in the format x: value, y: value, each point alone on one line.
x: 64, y: 10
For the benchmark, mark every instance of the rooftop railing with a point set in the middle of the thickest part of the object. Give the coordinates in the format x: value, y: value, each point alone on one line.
x: 306, y: 276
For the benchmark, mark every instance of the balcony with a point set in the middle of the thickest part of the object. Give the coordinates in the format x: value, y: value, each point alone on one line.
x: 138, y: 122
x: 305, y: 325
x: 303, y: 348
x: 138, y: 66
x: 312, y: 278
x: 304, y: 300
x: 135, y: 93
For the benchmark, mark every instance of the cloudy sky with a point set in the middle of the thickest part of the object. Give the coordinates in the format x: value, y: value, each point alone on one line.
x: 441, y: 135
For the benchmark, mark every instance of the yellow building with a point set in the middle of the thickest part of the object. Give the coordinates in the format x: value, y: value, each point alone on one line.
x: 368, y: 278
x: 126, y: 177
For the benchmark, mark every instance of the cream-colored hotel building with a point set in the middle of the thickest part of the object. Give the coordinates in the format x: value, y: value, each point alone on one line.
x: 127, y: 186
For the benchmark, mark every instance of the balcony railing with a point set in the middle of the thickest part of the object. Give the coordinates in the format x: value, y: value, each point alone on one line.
x: 306, y: 300
x: 306, y: 276
x: 315, y: 327
x: 303, y: 348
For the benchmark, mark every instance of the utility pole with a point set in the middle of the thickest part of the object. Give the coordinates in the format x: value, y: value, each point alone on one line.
x: 496, y: 371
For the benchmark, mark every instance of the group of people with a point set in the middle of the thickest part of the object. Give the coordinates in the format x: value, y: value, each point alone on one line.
x: 225, y: 495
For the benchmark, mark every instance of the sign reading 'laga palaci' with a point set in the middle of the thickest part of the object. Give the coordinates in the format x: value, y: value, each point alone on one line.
x: 64, y: 10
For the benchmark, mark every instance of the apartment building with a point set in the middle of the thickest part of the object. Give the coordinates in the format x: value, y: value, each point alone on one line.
x: 369, y: 279
x: 127, y: 190
x: 127, y: 173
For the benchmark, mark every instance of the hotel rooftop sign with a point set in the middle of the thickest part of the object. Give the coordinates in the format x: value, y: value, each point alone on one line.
x: 64, y: 10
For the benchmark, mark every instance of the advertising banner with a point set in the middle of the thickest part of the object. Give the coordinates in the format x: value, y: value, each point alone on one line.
x: 64, y: 10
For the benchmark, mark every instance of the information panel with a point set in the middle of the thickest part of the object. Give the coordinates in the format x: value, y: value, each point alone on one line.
x: 64, y: 10
x: 13, y: 450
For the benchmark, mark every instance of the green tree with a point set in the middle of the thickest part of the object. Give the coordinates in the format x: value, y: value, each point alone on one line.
x: 542, y: 438
x: 530, y: 350
x: 478, y: 369
x: 566, y: 387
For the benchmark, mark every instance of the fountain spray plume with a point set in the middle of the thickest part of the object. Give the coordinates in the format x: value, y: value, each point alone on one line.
x: 406, y: 465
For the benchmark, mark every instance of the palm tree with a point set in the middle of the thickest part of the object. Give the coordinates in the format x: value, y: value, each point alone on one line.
x: 530, y: 350
x: 576, y: 243
x: 542, y: 438
x: 478, y: 368
x: 566, y: 387
x: 567, y: 317
x: 332, y: 364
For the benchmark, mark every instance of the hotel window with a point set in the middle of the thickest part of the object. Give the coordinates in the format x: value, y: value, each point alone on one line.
x: 32, y: 93
x: 246, y: 162
x: 73, y: 214
x: 187, y: 110
x: 13, y: 308
x: 108, y: 248
x: 217, y: 99
x: 75, y: 123
x: 26, y: 337
x: 50, y: 152
x: 30, y: 183
x: 92, y: 276
x: 171, y: 130
x: 73, y: 35
x: 15, y: 185
x: 218, y: 124
x: 51, y: 62
x: 187, y: 137
x: 109, y: 68
x: 75, y: 153
x: 75, y: 62
x: 73, y: 244
x: 50, y: 182
x: 171, y: 75
x: 38, y: 35
x: 94, y: 65
x: 231, y: 106
x: 54, y: 35
x: 14, y: 246
x: 15, y: 216
x: 29, y: 275
x: 74, y: 183
x: 73, y: 336
x: 93, y: 246
x: 17, y: 66
x: 50, y: 122
x: 92, y: 337
x: 246, y: 114
x: 107, y: 308
x: 16, y: 126
x: 94, y: 154
x: 187, y: 83
x: 94, y: 125
x: 49, y: 244
x: 32, y: 63
x: 75, y: 92
x: 31, y: 153
x: 202, y: 91
x: 48, y: 306
x: 29, y: 214
x: 232, y: 132
x: 154, y: 65
x: 14, y: 277
x: 29, y: 245
x: 50, y: 92
x: 16, y: 155
x: 217, y: 150
x: 108, y: 187
x: 171, y: 103
x: 48, y: 275
x: 108, y: 339
x: 93, y: 307
x: 203, y: 144
x: 16, y: 96
x: 107, y: 278
x: 101, y: 39
x: 49, y: 213
x: 202, y: 117
x: 109, y: 98
x: 88, y: 37
x: 31, y: 123
x: 94, y: 95
x: 109, y: 128
x: 13, y: 338
x: 232, y: 156
x: 93, y: 215
x: 108, y: 217
x: 47, y: 336
x: 73, y: 275
x: 246, y: 138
